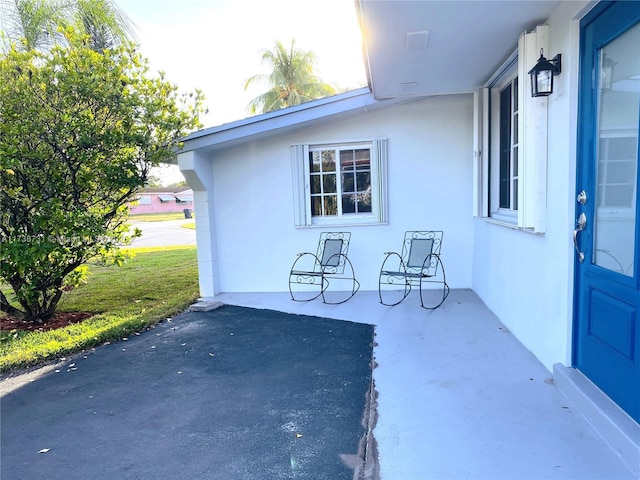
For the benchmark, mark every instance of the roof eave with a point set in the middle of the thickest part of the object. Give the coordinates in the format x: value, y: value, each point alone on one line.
x: 282, y: 121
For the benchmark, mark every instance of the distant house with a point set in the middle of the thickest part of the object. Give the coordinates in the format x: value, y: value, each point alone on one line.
x: 537, y: 195
x: 162, y: 200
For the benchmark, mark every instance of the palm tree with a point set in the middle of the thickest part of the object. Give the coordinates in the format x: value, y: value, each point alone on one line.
x: 35, y: 24
x: 293, y: 80
x: 31, y: 24
x: 104, y: 23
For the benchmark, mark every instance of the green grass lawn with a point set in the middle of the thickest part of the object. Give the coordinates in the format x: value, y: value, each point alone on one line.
x: 153, y: 285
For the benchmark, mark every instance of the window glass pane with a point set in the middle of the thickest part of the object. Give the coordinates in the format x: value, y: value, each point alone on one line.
x: 348, y: 203
x: 330, y: 205
x: 618, y: 119
x: 363, y: 181
x: 316, y: 206
x: 328, y: 161
x: 329, y: 184
x: 363, y: 159
x: 364, y: 202
x: 314, y: 161
x: 505, y: 147
x: 348, y: 183
x: 315, y: 184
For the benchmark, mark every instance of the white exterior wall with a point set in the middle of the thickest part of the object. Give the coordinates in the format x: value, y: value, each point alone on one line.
x: 526, y: 279
x: 429, y: 187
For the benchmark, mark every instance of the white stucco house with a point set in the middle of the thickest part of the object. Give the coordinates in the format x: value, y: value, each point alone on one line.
x: 455, y: 141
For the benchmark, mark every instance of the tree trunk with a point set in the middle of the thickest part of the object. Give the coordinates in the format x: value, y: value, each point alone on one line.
x: 6, y: 307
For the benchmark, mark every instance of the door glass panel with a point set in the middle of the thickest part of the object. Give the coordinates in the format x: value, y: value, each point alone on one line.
x: 617, y: 165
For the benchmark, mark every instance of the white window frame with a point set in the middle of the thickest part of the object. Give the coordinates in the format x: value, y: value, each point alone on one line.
x: 502, y: 213
x: 531, y: 160
x: 302, y: 184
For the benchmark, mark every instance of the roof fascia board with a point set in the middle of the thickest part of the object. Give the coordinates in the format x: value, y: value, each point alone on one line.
x: 273, y: 122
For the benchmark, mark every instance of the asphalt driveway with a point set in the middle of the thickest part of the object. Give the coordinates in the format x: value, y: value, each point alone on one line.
x: 236, y: 393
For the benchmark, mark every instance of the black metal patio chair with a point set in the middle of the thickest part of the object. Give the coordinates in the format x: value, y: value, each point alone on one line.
x: 419, y: 264
x: 312, y: 274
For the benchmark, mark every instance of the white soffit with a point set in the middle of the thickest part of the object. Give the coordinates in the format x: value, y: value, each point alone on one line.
x: 442, y: 46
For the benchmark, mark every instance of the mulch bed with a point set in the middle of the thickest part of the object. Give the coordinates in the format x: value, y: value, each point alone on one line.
x: 59, y: 320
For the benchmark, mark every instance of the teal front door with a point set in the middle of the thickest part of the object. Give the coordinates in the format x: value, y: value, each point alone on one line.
x: 607, y: 231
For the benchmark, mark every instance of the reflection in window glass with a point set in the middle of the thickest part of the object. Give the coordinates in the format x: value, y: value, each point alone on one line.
x: 352, y: 185
x: 617, y: 163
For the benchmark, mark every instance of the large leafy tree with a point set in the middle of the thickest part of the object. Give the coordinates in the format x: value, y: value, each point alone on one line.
x: 79, y: 133
x: 35, y: 24
x: 293, y: 79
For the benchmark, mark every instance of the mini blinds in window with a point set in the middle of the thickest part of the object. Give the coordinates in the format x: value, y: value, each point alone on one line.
x: 304, y: 194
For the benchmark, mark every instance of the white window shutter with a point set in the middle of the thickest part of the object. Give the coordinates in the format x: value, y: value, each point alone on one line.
x: 480, y: 152
x: 301, y: 187
x: 379, y: 157
x: 532, y: 156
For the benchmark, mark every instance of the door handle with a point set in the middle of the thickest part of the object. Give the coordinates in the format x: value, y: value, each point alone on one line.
x: 580, y: 226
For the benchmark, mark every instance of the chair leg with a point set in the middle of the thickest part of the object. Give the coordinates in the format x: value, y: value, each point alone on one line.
x: 355, y: 285
x: 395, y: 276
x: 445, y: 286
x: 407, y: 291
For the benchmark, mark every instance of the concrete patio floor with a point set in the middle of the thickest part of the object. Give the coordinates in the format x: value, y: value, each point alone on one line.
x: 459, y: 396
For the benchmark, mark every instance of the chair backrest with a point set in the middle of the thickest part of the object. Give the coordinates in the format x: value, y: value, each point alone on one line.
x: 419, y: 250
x: 417, y: 246
x: 332, y: 250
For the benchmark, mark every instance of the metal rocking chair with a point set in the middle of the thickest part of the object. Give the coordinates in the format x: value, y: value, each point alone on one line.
x: 419, y: 264
x: 330, y: 265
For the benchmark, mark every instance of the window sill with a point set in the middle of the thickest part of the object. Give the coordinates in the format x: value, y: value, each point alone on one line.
x: 511, y: 225
x: 342, y: 224
x: 502, y: 223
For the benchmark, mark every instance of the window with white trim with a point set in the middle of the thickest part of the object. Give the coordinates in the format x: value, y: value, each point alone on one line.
x: 510, y: 142
x: 504, y: 147
x: 340, y: 183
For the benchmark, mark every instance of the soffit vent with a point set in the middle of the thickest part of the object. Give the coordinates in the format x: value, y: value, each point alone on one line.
x: 417, y: 40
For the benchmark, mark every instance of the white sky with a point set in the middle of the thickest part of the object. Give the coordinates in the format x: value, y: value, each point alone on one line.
x: 215, y: 45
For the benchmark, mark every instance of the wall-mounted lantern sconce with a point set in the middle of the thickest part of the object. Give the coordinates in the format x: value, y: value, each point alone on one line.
x: 542, y: 75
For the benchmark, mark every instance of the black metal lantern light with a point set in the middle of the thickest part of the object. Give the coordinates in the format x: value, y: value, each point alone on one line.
x: 542, y: 75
